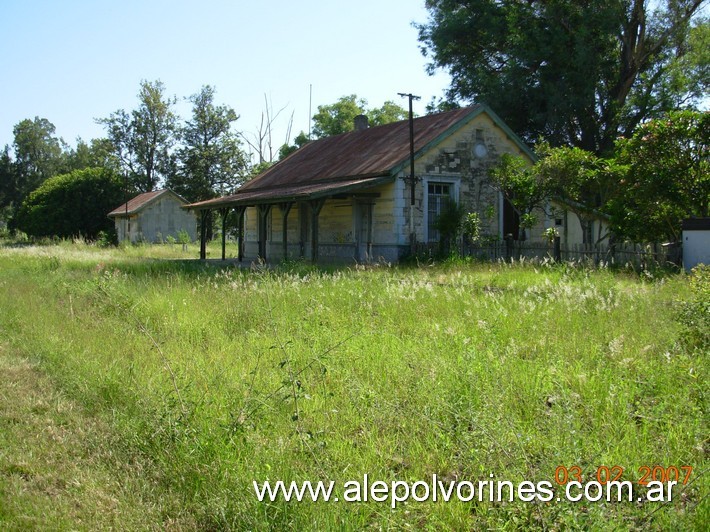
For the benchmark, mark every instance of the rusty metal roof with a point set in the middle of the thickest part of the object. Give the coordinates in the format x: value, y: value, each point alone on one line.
x: 293, y: 192
x: 141, y: 201
x: 354, y: 160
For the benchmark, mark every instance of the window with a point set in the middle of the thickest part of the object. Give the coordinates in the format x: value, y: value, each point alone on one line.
x: 558, y: 221
x: 438, y: 196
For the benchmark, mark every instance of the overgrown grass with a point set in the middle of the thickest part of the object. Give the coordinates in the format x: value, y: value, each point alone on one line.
x: 211, y: 378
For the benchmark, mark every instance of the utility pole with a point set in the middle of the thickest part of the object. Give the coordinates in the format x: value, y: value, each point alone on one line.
x: 411, y: 177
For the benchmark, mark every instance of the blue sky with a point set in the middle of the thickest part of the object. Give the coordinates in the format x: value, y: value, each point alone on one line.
x: 72, y: 61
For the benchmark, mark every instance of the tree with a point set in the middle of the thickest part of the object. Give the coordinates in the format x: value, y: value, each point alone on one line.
x: 388, y: 113
x: 211, y: 162
x: 8, y: 185
x: 98, y: 153
x: 667, y: 178
x: 523, y: 187
x: 299, y: 141
x: 692, y: 69
x: 450, y: 224
x: 72, y: 204
x: 39, y: 155
x: 575, y: 73
x: 584, y: 181
x: 144, y: 138
x: 339, y: 117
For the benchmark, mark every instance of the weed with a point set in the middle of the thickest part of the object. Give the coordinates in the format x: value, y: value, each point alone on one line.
x: 210, y: 377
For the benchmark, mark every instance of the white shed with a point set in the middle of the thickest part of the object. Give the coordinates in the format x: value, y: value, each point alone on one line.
x: 153, y: 216
x: 696, y: 242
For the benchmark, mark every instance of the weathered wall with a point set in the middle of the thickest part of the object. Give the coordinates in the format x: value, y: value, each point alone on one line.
x: 458, y: 161
x: 162, y: 218
x: 570, y: 230
x: 338, y: 222
x: 463, y: 159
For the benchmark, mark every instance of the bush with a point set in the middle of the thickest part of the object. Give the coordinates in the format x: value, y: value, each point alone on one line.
x: 450, y: 224
x: 107, y: 239
x: 72, y: 204
x: 694, y: 314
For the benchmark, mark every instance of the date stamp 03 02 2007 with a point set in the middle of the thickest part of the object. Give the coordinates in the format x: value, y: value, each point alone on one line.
x: 606, y: 474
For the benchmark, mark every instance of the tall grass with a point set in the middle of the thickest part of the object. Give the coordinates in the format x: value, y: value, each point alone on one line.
x: 214, y: 377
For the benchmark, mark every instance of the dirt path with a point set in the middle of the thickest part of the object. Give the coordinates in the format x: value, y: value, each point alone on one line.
x: 58, y: 467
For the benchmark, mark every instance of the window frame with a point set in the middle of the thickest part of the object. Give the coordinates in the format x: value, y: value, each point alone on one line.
x: 454, y: 194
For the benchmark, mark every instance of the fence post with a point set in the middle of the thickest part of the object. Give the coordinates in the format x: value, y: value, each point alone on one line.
x: 557, y: 250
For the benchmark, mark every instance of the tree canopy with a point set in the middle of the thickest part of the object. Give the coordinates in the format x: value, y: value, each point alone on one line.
x: 667, y: 177
x: 143, y: 138
x: 38, y: 155
x: 656, y: 179
x: 523, y: 187
x: 210, y: 161
x: 575, y: 73
x: 339, y: 117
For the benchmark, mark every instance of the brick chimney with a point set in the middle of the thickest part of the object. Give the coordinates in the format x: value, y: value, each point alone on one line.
x: 361, y: 123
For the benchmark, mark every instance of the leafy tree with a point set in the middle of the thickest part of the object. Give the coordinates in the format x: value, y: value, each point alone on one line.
x: 585, y: 181
x: 692, y: 69
x: 575, y: 73
x: 8, y: 179
x: 257, y: 169
x: 668, y: 177
x: 525, y: 189
x: 450, y: 224
x: 72, y: 204
x: 143, y: 139
x: 298, y: 142
x: 211, y: 161
x: 388, y: 113
x: 98, y: 153
x: 339, y: 117
x: 39, y: 155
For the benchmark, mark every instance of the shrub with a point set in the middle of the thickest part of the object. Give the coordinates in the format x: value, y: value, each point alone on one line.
x: 72, y: 204
x: 108, y: 238
x: 694, y: 314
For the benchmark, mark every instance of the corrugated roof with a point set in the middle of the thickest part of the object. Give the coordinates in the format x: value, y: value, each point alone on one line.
x: 350, y: 159
x: 141, y: 201
x: 293, y: 192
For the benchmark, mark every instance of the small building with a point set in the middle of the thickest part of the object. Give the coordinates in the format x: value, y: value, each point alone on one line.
x: 696, y: 242
x: 573, y: 231
x: 349, y: 197
x: 153, y: 216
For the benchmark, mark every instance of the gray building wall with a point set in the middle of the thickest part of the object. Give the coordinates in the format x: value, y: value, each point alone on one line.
x: 154, y: 223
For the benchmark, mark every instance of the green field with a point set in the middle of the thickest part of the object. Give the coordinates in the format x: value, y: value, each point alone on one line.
x: 170, y: 386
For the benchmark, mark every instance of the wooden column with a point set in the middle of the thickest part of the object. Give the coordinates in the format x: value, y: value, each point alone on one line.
x: 263, y: 211
x: 303, y: 209
x: 224, y: 213
x: 285, y: 209
x: 240, y: 232
x: 204, y: 216
x: 316, y: 206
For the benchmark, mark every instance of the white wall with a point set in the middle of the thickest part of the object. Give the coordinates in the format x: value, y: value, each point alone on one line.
x: 696, y: 248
